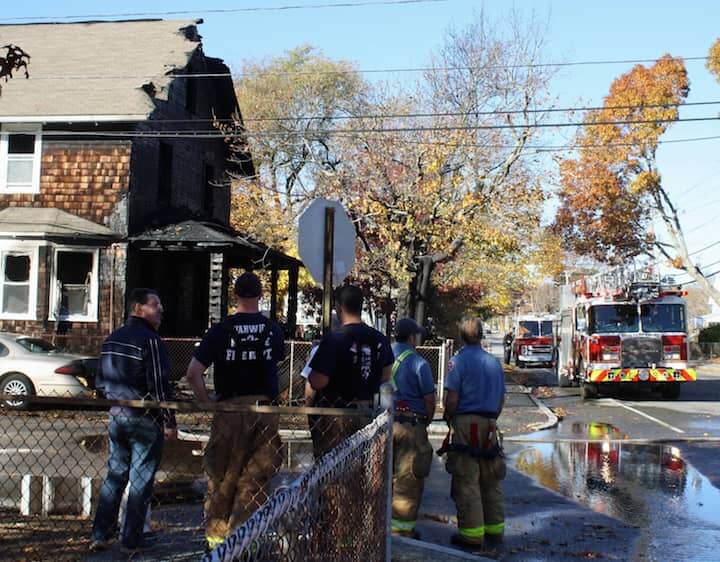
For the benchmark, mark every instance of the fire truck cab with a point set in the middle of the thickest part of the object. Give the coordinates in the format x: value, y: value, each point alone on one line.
x: 533, y: 341
x: 636, y: 334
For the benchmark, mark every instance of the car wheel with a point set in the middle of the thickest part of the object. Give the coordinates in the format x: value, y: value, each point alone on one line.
x: 17, y: 384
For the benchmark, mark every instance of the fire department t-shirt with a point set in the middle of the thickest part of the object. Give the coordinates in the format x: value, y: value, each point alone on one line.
x: 243, y: 365
x: 346, y: 357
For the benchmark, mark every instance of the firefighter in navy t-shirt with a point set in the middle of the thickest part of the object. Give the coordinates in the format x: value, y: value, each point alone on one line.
x: 243, y: 452
x: 347, y: 370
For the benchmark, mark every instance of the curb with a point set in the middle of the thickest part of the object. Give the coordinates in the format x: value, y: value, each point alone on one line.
x: 552, y: 419
x: 434, y: 551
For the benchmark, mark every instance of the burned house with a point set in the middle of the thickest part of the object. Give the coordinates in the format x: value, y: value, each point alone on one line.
x: 112, y: 176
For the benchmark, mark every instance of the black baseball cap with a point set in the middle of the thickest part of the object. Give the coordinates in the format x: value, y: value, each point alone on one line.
x: 248, y: 286
x: 407, y: 327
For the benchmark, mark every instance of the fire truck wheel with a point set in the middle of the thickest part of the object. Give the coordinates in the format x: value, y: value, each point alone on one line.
x: 520, y: 364
x: 589, y: 391
x: 671, y: 391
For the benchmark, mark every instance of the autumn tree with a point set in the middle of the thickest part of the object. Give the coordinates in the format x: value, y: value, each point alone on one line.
x: 452, y: 200
x: 613, y: 189
x: 290, y: 105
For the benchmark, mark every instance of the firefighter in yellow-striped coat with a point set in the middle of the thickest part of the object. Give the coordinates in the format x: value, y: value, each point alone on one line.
x: 414, y: 409
x: 474, y: 398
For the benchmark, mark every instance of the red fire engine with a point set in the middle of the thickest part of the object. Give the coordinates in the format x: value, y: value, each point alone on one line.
x: 533, y: 341
x: 623, y: 328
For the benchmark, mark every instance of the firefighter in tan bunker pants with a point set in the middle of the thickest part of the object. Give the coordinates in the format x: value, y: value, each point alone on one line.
x: 474, y: 398
x: 243, y: 453
x: 414, y: 388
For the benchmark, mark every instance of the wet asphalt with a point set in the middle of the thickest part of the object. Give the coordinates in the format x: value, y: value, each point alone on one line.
x: 648, y: 464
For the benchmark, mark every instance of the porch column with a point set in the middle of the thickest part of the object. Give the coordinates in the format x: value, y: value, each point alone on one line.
x: 215, y: 289
x: 292, y: 300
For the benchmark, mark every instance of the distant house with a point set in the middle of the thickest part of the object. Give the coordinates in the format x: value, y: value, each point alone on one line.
x: 103, y: 188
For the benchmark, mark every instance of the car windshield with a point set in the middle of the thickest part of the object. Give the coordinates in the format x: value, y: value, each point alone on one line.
x: 528, y: 328
x: 613, y: 318
x: 36, y: 345
x: 546, y: 328
x: 663, y: 317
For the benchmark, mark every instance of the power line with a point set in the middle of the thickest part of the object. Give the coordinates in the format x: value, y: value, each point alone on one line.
x: 713, y: 274
x: 241, y: 135
x: 360, y: 71
x: 700, y: 226
x: 422, y: 115
x: 699, y: 206
x: 701, y: 182
x: 706, y: 276
x: 286, y: 8
x: 214, y: 133
x: 705, y: 248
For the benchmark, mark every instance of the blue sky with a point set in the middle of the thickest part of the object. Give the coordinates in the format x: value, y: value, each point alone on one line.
x: 403, y: 36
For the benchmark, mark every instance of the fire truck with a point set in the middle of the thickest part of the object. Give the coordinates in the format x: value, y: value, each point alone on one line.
x: 623, y: 328
x: 533, y: 341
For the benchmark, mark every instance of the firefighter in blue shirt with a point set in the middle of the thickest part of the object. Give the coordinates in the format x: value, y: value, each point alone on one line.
x: 414, y: 409
x: 474, y: 398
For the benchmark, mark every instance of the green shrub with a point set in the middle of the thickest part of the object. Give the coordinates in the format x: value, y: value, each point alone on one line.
x: 710, y: 334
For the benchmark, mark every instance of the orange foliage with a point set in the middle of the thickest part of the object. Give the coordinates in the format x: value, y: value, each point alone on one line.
x: 605, y: 190
x: 713, y: 62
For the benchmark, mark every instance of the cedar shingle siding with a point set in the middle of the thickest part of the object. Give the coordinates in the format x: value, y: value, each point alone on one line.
x: 86, y: 179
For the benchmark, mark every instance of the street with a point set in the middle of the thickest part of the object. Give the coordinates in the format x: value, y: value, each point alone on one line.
x: 631, y: 477
x: 647, y: 462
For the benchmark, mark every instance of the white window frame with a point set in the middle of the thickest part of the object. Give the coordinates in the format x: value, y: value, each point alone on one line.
x: 19, y: 248
x: 94, y: 285
x: 34, y: 186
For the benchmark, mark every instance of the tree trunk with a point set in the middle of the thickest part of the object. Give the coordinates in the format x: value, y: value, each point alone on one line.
x: 404, y: 305
x: 423, y: 286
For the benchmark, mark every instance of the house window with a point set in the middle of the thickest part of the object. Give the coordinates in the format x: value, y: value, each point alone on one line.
x: 209, y: 189
x: 165, y: 162
x: 18, y: 283
x: 73, y: 294
x: 20, y: 150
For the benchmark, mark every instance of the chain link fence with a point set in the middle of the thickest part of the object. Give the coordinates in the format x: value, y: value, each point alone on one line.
x: 297, y: 353
x: 229, y: 458
x: 335, y: 511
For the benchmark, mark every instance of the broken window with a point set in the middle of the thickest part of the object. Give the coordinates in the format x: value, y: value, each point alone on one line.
x: 20, y: 161
x: 75, y: 284
x: 16, y: 283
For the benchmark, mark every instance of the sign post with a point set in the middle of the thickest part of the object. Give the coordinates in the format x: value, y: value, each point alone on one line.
x: 329, y: 248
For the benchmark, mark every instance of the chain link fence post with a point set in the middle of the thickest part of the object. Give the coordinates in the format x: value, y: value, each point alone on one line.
x: 387, y: 403
x: 292, y: 370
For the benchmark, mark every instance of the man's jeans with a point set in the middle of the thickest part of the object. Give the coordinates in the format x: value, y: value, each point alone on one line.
x: 135, y: 451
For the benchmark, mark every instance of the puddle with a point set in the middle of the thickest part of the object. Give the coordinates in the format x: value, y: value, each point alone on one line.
x: 576, y: 430
x: 649, y: 486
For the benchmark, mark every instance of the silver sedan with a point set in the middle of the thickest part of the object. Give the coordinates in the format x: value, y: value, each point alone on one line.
x: 31, y: 366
